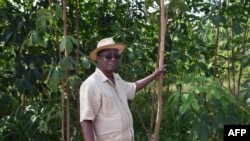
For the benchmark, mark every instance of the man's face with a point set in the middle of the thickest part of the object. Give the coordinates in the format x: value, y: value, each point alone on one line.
x: 108, y: 60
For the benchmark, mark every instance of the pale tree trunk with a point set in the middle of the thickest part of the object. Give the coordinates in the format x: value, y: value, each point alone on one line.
x: 163, y: 28
x: 66, y: 84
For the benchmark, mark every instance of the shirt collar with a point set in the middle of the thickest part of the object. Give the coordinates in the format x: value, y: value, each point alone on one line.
x: 101, y: 75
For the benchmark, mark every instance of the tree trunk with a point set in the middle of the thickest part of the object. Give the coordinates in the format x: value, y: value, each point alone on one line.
x: 66, y: 83
x: 163, y: 27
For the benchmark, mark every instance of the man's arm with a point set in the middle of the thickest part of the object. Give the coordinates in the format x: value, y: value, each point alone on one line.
x: 143, y: 82
x: 87, y: 130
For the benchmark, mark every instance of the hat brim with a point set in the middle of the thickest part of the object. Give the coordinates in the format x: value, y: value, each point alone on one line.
x: 119, y: 47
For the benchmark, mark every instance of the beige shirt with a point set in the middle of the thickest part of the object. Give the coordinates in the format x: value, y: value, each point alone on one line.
x: 106, y: 105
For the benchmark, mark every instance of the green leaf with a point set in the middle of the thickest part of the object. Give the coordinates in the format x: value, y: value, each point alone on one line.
x: 209, y: 96
x: 58, y: 11
x: 248, y: 101
x: 192, y: 68
x: 131, y: 55
x: 53, y: 78
x: 195, y: 105
x: 197, y: 90
x: 23, y: 84
x: 185, y: 98
x: 85, y: 62
x: 216, y: 20
x: 74, y: 40
x: 236, y: 27
x: 63, y: 44
x: 216, y: 92
x: 41, y: 20
x: 35, y: 37
x: 62, y: 73
x: 8, y: 37
x: 18, y: 84
x: 27, y: 85
x: 35, y: 73
x: 245, y: 61
x: 43, y: 127
x: 178, y: 4
x: 75, y: 81
x: 177, y: 53
x: 202, y: 131
x: 30, y: 40
x: 202, y: 66
x: 67, y: 44
x: 67, y: 63
x: 184, y: 107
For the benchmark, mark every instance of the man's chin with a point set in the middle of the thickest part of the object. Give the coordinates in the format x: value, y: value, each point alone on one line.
x: 112, y: 68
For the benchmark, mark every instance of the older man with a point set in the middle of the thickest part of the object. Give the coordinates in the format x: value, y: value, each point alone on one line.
x: 104, y: 110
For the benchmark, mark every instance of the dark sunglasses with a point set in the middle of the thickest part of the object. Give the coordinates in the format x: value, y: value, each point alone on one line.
x: 109, y: 57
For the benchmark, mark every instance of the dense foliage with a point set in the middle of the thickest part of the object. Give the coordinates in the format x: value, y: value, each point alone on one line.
x: 206, y: 84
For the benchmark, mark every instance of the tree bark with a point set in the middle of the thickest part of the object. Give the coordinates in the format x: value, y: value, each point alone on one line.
x: 163, y: 27
x: 66, y: 84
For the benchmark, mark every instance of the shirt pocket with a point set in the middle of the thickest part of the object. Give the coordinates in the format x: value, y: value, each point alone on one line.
x: 109, y: 107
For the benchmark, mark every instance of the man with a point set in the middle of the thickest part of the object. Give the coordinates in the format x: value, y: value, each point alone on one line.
x: 104, y: 110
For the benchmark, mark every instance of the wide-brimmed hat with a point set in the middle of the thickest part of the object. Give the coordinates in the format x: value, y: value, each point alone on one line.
x: 107, y: 43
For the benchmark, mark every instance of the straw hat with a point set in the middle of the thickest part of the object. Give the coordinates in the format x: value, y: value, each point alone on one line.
x: 107, y: 43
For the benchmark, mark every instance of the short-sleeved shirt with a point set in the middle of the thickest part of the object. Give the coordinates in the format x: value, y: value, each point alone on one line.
x: 106, y: 105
